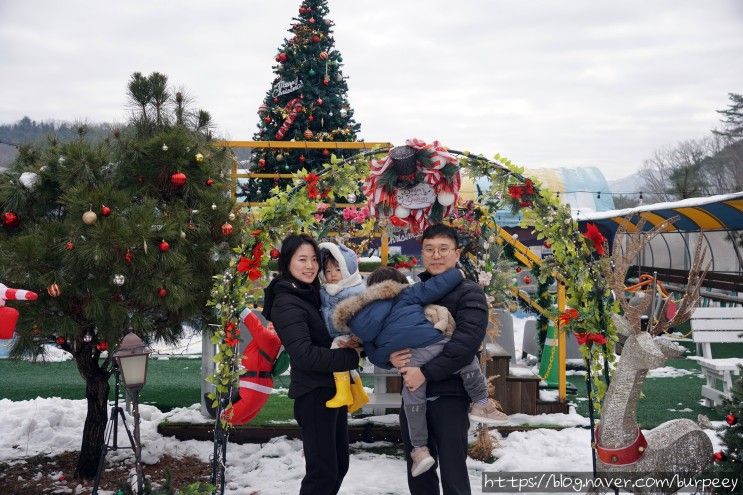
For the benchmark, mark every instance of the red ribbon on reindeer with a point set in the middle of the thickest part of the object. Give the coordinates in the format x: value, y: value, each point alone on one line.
x: 585, y: 338
x: 9, y: 316
x: 293, y: 108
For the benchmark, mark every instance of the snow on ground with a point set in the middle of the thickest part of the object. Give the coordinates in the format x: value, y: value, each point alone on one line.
x: 51, y: 426
x: 669, y: 372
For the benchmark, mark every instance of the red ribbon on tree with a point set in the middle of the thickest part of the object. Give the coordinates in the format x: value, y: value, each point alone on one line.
x: 597, y: 238
x: 252, y: 266
x: 231, y: 334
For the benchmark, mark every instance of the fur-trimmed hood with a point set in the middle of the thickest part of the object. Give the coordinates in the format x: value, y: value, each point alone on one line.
x: 347, y: 309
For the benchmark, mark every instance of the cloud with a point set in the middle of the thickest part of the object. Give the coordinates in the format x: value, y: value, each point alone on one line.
x: 545, y: 83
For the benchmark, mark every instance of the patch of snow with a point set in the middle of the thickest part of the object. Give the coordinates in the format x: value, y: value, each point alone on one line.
x: 669, y: 372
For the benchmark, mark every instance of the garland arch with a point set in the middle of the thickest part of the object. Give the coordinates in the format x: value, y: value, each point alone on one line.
x: 577, y: 260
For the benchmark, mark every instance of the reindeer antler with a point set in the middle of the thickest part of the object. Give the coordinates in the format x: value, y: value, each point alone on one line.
x: 621, y: 259
x: 688, y: 302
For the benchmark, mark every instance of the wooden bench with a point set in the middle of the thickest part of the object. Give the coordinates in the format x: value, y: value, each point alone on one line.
x: 713, y: 326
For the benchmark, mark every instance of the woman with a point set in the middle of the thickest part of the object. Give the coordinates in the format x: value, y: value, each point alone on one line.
x: 292, y: 304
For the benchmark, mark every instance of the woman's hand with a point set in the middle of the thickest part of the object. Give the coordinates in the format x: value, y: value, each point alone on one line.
x: 400, y: 359
x: 352, y: 343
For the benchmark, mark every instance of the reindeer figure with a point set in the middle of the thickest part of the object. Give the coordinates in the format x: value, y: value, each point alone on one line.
x: 677, y: 446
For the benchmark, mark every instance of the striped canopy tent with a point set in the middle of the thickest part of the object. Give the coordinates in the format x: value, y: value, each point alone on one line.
x: 718, y: 219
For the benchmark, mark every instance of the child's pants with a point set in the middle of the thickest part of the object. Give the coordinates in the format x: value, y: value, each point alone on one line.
x: 415, y: 401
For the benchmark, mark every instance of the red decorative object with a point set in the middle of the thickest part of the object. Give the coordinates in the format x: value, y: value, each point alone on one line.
x: 527, y: 279
x: 311, y: 118
x: 568, y: 315
x: 584, y: 338
x: 69, y: 245
x: 524, y: 194
x: 209, y: 182
x: 325, y: 152
x: 323, y: 55
x: 518, y: 269
x: 8, y: 319
x: 326, y: 81
x: 274, y: 253
x: 547, y: 245
x: 318, y: 102
x: 128, y: 256
x: 60, y: 340
x: 731, y: 420
x: 308, y: 134
x: 267, y: 119
x: 11, y: 219
x: 315, y: 38
x: 301, y: 158
x: 312, y: 20
x: 226, y: 229
x: 252, y: 266
x: 592, y: 234
x: 293, y: 107
x: 54, y: 290
x: 262, y: 163
x: 164, y: 246
x: 231, y: 334
x: 275, y: 100
x: 162, y: 292
x: 102, y: 346
x: 719, y: 456
x: 622, y: 455
x: 178, y: 179
x: 398, y: 222
x: 281, y: 57
x: 105, y: 210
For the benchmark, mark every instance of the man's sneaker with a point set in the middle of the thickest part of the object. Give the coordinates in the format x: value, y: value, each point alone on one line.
x: 488, y: 413
x: 422, y: 461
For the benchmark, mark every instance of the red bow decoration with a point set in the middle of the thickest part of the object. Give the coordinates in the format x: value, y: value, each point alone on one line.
x: 585, y: 338
x: 519, y: 191
x: 252, y: 266
x: 592, y: 234
x: 568, y: 315
x: 231, y: 334
x: 313, y: 192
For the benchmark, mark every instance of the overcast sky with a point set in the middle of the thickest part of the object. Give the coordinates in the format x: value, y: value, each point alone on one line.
x: 546, y: 83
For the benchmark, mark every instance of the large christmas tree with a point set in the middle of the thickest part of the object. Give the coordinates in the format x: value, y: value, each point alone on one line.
x: 306, y: 102
x: 729, y: 460
x: 121, y: 235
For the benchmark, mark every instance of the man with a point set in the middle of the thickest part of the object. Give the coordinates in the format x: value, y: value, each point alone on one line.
x: 448, y: 403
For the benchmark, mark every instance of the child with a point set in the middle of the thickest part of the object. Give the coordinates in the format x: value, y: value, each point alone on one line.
x: 340, y: 279
x: 390, y: 316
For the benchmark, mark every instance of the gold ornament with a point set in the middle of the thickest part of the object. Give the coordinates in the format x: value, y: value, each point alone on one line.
x: 89, y: 217
x: 199, y: 157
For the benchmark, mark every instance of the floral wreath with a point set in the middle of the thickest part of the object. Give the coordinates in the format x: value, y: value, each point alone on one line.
x: 414, y: 185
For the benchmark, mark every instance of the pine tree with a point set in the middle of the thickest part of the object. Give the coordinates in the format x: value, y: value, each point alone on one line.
x: 116, y: 236
x: 307, y: 101
x: 733, y: 121
x: 729, y: 460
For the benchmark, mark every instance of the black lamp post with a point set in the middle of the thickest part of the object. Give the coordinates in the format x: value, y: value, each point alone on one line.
x: 132, y: 361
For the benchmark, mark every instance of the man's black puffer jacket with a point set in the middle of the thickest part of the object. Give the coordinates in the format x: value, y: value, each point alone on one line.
x: 294, y: 310
x: 468, y: 306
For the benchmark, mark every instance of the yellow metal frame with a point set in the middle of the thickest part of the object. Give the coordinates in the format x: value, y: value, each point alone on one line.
x: 522, y: 253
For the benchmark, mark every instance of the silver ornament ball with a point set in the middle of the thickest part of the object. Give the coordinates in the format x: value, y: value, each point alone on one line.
x: 119, y: 279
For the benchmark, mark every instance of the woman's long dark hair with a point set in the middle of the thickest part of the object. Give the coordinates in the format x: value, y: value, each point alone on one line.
x: 289, y: 246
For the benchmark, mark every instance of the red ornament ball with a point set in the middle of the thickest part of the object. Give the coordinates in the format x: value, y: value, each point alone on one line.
x: 274, y: 253
x: 518, y: 269
x: 308, y: 134
x: 162, y: 292
x: 275, y: 100
x: 318, y: 102
x: 325, y: 81
x: 311, y: 118
x: 61, y: 477
x: 731, y: 420
x: 209, y: 182
x: 164, y: 246
x: 178, y: 179
x: 325, y: 152
x: 262, y: 163
x: 69, y: 245
x: 527, y: 279
x: 105, y: 210
x: 281, y: 57
x: 128, y: 256
x: 267, y: 119
x: 53, y: 290
x: 315, y: 38
x: 312, y: 20
x: 719, y: 456
x: 60, y: 340
x: 102, y: 346
x: 11, y: 219
x: 227, y: 229
x: 301, y: 158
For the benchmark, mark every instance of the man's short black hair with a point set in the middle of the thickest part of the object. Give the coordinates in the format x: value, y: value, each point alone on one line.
x: 441, y: 230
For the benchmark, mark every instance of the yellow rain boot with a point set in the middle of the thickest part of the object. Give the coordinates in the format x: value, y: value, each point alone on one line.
x: 360, y: 398
x: 343, y: 395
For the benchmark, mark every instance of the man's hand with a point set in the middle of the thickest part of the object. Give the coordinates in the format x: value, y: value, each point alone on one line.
x: 413, y: 377
x: 400, y: 359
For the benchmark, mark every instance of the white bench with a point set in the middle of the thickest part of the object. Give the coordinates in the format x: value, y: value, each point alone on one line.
x: 717, y: 325
x: 381, y: 400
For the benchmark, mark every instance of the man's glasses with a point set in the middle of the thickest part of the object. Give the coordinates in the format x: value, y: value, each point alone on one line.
x: 443, y: 251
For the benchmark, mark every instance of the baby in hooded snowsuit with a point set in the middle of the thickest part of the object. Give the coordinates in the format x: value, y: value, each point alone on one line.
x: 393, y: 315
x: 340, y: 279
